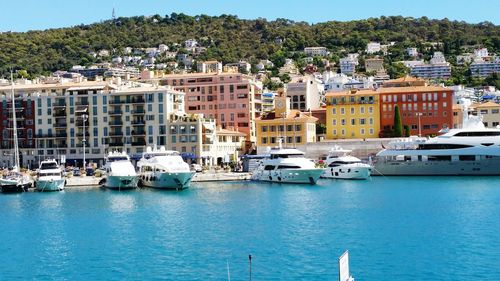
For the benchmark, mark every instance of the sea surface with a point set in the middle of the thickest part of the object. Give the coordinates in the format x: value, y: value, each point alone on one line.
x: 398, y: 228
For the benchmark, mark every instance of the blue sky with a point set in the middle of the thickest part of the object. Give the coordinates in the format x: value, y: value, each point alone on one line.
x: 40, y: 14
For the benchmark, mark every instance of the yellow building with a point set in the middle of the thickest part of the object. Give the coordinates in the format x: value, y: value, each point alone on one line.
x: 490, y: 111
x: 292, y: 126
x: 352, y: 114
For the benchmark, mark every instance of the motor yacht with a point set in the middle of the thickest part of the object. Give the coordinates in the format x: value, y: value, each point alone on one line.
x: 341, y: 165
x: 50, y: 176
x: 120, y: 173
x: 471, y: 150
x: 163, y: 169
x: 287, y: 165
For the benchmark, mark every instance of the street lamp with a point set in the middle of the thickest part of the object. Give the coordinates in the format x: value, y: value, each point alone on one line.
x: 419, y: 128
x: 84, y: 117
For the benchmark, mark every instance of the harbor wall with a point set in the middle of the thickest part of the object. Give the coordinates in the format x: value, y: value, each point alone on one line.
x: 361, y: 148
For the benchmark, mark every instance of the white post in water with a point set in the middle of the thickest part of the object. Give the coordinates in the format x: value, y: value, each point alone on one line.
x: 344, y: 274
x: 419, y: 128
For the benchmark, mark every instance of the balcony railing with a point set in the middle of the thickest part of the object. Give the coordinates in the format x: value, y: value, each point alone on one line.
x: 116, y: 144
x: 116, y: 133
x: 115, y: 112
x: 138, y: 111
x: 116, y: 123
x: 138, y: 133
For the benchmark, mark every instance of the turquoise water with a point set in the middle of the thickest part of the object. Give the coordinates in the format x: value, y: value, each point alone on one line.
x: 438, y: 228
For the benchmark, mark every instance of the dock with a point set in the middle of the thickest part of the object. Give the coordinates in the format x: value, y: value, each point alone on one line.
x: 83, y: 181
x: 223, y: 176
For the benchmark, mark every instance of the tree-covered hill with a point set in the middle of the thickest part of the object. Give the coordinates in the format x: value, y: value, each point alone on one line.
x: 229, y: 39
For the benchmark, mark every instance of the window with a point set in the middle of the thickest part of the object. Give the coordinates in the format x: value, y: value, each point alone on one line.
x: 362, y: 131
x: 334, y: 122
x: 342, y: 122
x: 352, y: 110
x: 342, y: 110
x: 298, y: 139
x: 264, y: 139
x: 174, y: 139
x: 362, y: 121
x: 334, y: 111
x: 494, y: 111
x: 362, y: 110
x: 264, y: 128
x: 298, y: 127
x: 353, y: 121
x: 370, y: 109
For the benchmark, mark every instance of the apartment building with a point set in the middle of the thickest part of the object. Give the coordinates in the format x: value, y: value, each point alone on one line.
x: 438, y: 68
x: 292, y: 126
x: 348, y: 64
x: 480, y: 68
x: 490, y: 111
x: 305, y: 92
x: 106, y: 115
x: 209, y: 67
x: 352, y: 114
x: 425, y: 109
x: 374, y: 65
x: 316, y: 51
x: 232, y: 99
x: 200, y: 140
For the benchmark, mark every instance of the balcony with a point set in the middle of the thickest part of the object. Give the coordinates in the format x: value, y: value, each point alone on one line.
x: 138, y: 133
x: 116, y: 101
x: 116, y: 144
x: 116, y: 123
x: 61, y: 135
x: 59, y: 113
x: 138, y: 100
x: 139, y: 143
x: 60, y: 125
x: 138, y: 111
x: 81, y: 103
x: 87, y: 134
x: 138, y: 122
x: 115, y: 112
x: 120, y: 134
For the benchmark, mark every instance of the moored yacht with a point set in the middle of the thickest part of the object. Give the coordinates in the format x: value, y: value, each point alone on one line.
x: 341, y: 165
x: 164, y: 169
x: 287, y: 165
x: 49, y: 176
x: 120, y: 172
x: 473, y: 150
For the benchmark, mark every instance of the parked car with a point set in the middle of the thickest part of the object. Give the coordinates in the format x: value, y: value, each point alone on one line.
x: 196, y: 167
x: 89, y: 171
x: 76, y: 172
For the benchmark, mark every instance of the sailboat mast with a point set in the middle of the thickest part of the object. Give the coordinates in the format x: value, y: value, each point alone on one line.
x: 14, y: 123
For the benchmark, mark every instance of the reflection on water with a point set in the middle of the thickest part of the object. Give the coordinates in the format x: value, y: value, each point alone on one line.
x: 122, y: 202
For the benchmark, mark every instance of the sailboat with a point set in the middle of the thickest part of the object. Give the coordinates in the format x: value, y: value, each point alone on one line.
x: 15, y: 181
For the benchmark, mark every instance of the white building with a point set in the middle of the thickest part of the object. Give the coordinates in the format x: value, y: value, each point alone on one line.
x: 437, y: 69
x: 120, y: 116
x: 162, y: 48
x: 190, y: 44
x: 373, y: 47
x: 412, y: 52
x: 484, y: 69
x: 305, y: 93
x: 209, y: 67
x: 481, y: 53
x: 316, y: 51
x: 348, y: 64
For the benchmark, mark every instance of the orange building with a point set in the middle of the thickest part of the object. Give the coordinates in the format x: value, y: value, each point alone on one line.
x: 425, y: 109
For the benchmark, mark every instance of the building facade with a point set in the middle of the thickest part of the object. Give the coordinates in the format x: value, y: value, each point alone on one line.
x: 352, y: 114
x: 316, y: 51
x: 490, y: 111
x: 305, y: 93
x: 291, y: 126
x: 102, y: 116
x: 232, y: 99
x: 485, y: 68
x: 425, y: 109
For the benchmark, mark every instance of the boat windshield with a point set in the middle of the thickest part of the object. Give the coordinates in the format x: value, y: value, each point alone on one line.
x: 276, y: 156
x: 49, y: 166
x: 113, y: 159
x: 49, y: 174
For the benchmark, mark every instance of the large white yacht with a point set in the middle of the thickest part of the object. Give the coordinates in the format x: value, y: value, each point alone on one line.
x: 50, y: 176
x: 341, y: 165
x: 164, y: 169
x: 473, y: 150
x: 287, y: 165
x: 120, y: 172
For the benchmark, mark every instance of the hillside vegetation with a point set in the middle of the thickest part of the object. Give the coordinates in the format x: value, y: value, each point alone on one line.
x: 230, y: 39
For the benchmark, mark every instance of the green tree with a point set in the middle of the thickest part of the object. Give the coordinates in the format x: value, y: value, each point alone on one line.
x: 407, y: 131
x: 398, y: 124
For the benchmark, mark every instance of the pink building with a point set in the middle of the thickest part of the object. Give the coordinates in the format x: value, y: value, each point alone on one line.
x: 232, y: 99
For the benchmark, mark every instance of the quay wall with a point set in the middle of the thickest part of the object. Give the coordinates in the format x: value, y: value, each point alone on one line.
x: 362, y: 148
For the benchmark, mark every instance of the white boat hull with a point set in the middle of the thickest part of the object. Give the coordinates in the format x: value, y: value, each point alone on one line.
x: 121, y: 182
x: 167, y: 180
x: 50, y: 185
x: 349, y: 171
x: 308, y: 176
